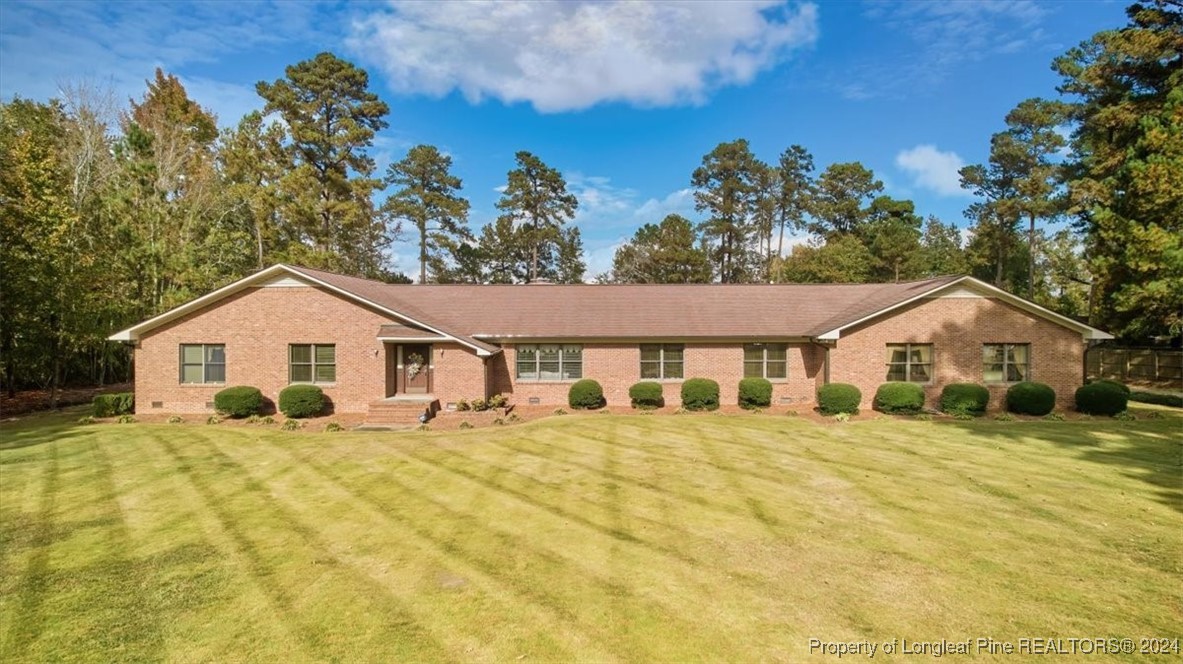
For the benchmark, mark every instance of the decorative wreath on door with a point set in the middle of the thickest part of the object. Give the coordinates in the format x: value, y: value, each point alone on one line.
x: 414, y: 365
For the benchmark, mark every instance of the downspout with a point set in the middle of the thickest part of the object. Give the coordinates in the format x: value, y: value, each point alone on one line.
x: 825, y: 359
x: 485, y: 371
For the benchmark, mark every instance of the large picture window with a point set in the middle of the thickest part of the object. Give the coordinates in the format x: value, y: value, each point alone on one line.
x: 662, y: 361
x: 312, y: 363
x: 909, y: 363
x: 203, y: 363
x: 1006, y: 363
x: 769, y: 361
x: 549, y: 362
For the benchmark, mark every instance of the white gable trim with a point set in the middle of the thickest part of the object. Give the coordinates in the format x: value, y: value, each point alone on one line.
x: 274, y: 275
x: 965, y: 285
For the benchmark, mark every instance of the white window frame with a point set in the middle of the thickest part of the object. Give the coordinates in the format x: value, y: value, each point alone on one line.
x: 1005, y: 364
x: 565, y: 354
x: 908, y: 363
x: 312, y: 364
x: 205, y: 364
x: 764, y: 361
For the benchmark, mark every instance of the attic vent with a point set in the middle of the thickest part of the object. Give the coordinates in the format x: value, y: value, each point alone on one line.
x: 209, y: 405
x: 158, y: 404
x: 534, y: 401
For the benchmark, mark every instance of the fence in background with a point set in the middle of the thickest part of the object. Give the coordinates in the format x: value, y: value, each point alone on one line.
x: 1159, y: 365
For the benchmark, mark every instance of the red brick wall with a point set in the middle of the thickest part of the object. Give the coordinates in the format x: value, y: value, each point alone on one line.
x: 256, y: 325
x: 617, y: 366
x: 957, y: 327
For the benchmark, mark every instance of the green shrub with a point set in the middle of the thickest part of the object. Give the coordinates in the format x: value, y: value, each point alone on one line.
x: 267, y: 420
x: 700, y: 394
x: 1004, y: 417
x: 559, y: 411
x: 333, y: 427
x: 498, y: 421
x: 842, y: 417
x: 1173, y: 400
x: 898, y: 397
x: 127, y: 419
x: 838, y: 398
x: 1054, y: 417
x: 462, y: 406
x: 423, y: 427
x: 1101, y: 398
x: 1116, y: 383
x: 465, y: 425
x: 646, y: 394
x: 1030, y: 398
x: 680, y: 411
x: 924, y: 417
x: 301, y: 400
x: 240, y: 401
x: 213, y: 419
x: 964, y: 398
x: 110, y: 405
x: 291, y: 425
x: 586, y: 394
x: 498, y: 401
x: 1125, y: 416
x: 86, y: 419
x: 176, y: 419
x: 755, y: 393
x: 479, y: 405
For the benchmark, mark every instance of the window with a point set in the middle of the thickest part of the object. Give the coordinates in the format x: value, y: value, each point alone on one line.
x: 549, y: 362
x: 909, y: 363
x: 203, y: 363
x: 661, y: 360
x: 1006, y: 363
x: 769, y: 361
x: 312, y: 363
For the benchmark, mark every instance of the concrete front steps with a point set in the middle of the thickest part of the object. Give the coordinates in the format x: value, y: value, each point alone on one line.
x: 401, y: 411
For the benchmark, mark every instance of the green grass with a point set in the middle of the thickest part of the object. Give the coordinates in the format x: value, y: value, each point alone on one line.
x: 605, y: 538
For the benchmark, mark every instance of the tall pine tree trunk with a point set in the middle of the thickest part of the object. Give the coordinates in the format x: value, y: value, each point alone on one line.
x: 1031, y: 258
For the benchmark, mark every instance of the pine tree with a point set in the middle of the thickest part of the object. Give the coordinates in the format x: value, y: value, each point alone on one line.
x: 841, y: 200
x: 427, y: 198
x: 665, y: 253
x: 724, y: 188
x: 536, y: 202
x: 331, y: 117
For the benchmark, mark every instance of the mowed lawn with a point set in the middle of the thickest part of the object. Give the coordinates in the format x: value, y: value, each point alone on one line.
x: 593, y: 538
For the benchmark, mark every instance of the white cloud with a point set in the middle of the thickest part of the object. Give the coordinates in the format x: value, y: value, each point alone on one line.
x: 932, y: 169
x: 562, y: 56
x: 654, y: 210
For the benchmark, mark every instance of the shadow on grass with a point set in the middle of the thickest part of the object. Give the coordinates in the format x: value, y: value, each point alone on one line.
x: 42, y: 428
x: 1149, y: 450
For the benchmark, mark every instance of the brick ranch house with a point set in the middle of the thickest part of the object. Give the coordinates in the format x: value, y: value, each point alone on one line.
x: 393, y: 350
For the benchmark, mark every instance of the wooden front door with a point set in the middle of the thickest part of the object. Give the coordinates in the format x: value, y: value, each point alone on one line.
x: 416, y: 368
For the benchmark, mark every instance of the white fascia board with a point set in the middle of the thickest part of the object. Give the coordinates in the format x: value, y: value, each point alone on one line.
x: 1086, y: 331
x: 133, y: 333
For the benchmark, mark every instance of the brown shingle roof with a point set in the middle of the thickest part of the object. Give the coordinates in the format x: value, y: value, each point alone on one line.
x: 657, y: 311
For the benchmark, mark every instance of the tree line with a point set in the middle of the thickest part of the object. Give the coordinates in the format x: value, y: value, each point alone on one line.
x: 114, y: 213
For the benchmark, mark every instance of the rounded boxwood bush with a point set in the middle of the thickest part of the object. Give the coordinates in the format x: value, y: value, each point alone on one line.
x: 586, y: 394
x: 899, y: 397
x: 1116, y: 383
x: 1030, y: 398
x: 964, y: 399
x: 646, y: 394
x: 301, y: 400
x: 838, y: 398
x: 700, y: 394
x: 239, y: 401
x: 110, y: 405
x: 755, y: 393
x: 1102, y: 398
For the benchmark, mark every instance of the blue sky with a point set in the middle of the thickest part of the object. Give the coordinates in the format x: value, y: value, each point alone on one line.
x: 624, y: 99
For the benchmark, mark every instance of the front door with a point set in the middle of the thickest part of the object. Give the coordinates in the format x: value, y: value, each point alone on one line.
x: 416, y: 368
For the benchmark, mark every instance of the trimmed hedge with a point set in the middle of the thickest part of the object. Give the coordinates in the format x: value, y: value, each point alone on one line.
x: 755, y: 393
x: 110, y: 405
x: 586, y: 394
x: 1116, y: 383
x: 964, y: 399
x: 899, y: 397
x: 1173, y: 400
x: 700, y: 394
x: 1030, y: 398
x: 301, y: 400
x: 239, y: 401
x: 1101, y: 398
x: 646, y: 395
x: 838, y: 398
